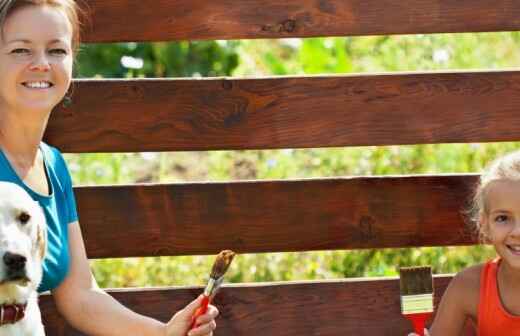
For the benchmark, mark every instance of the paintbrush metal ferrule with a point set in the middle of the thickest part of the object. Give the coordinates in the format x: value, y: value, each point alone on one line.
x: 209, y: 287
x: 213, y: 286
x: 415, y: 304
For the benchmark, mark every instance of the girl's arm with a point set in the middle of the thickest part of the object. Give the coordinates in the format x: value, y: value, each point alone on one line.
x: 91, y: 310
x: 459, y: 302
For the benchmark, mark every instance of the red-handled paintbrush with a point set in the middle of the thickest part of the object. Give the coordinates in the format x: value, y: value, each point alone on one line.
x: 416, y: 295
x: 220, y: 266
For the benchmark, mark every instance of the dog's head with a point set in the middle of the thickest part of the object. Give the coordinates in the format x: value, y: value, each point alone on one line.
x: 23, y: 237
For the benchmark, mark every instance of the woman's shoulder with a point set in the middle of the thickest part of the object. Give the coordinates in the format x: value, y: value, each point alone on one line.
x: 49, y: 150
x: 56, y: 164
x: 52, y: 154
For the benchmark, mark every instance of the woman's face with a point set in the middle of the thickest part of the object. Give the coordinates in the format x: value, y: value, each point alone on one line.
x: 35, y: 59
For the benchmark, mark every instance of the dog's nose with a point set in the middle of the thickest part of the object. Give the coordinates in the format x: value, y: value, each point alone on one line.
x: 15, y: 262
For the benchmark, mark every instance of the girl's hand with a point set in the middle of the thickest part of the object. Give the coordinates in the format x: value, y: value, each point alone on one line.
x: 426, y: 333
x: 180, y: 323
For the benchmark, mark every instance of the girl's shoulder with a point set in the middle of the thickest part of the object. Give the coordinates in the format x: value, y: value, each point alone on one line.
x: 470, y: 276
x: 466, y: 284
x: 459, y: 303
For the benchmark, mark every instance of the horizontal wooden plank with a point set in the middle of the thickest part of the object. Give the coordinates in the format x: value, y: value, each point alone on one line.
x: 288, y: 112
x: 245, y: 19
x: 328, y: 308
x: 274, y: 216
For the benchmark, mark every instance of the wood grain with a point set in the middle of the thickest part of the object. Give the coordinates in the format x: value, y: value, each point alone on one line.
x: 275, y: 216
x: 127, y: 20
x: 362, y: 307
x: 297, y: 112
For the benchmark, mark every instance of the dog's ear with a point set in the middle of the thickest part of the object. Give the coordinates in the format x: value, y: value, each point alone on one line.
x: 41, y: 235
x: 41, y: 240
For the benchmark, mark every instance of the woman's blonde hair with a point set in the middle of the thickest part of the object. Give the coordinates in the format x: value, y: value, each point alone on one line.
x: 503, y: 168
x: 69, y: 8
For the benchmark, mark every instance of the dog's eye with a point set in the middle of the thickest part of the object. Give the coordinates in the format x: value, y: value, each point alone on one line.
x: 24, y: 217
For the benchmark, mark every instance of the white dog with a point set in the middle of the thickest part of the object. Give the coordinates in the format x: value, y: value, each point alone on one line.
x: 23, y: 237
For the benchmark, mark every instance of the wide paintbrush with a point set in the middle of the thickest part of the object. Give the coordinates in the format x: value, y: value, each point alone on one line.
x: 416, y: 295
x: 220, y: 266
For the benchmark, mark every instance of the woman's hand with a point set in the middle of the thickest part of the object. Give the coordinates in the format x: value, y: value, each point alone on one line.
x: 180, y: 323
x: 426, y: 333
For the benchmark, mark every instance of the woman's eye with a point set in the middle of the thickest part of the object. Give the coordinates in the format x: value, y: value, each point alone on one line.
x: 58, y: 51
x: 20, y: 51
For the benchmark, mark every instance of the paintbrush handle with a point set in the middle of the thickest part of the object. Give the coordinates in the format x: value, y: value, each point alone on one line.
x: 200, y: 311
x: 419, y: 321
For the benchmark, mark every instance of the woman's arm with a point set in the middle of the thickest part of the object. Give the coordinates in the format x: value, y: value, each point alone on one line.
x: 89, y: 309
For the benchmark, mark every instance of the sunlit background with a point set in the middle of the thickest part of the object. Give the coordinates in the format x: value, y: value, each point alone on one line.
x: 257, y: 58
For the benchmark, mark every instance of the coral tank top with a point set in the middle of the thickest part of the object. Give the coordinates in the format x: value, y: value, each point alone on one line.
x: 493, y: 319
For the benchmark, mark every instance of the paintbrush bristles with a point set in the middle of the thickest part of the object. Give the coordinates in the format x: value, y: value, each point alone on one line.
x: 221, y: 264
x: 416, y: 280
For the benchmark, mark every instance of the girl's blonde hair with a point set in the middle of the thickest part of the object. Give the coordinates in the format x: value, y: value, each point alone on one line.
x: 503, y: 168
x: 69, y: 8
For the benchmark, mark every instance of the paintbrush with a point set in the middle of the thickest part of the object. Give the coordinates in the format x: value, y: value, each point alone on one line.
x: 416, y: 295
x: 220, y: 266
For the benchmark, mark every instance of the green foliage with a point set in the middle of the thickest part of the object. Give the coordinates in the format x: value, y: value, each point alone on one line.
x: 291, y: 57
x: 380, y: 54
x: 278, y: 164
x: 160, y: 59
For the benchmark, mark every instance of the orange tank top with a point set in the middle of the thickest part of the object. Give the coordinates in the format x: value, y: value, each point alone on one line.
x: 493, y: 319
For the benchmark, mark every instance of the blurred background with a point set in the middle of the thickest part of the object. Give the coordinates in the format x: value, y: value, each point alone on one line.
x: 256, y: 58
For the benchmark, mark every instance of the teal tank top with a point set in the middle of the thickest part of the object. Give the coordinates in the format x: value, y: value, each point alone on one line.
x: 59, y: 208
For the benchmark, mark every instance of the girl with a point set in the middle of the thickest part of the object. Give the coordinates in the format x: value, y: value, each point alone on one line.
x: 37, y: 45
x: 489, y: 294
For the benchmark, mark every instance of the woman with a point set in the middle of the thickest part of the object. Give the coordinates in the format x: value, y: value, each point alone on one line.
x: 37, y: 47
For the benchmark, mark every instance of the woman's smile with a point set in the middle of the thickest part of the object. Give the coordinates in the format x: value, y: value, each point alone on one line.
x: 39, y: 85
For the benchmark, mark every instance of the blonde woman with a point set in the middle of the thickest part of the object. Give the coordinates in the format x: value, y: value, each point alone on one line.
x: 37, y: 47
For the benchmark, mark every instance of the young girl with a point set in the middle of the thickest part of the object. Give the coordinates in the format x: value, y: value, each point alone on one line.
x: 37, y: 45
x: 489, y: 294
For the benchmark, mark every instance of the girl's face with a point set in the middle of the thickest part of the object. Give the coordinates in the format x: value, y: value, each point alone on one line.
x: 502, y: 220
x: 35, y: 59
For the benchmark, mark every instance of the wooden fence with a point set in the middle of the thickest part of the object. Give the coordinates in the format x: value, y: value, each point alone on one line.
x: 289, y: 112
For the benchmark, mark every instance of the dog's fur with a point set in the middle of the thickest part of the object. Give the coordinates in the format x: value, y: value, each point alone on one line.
x: 23, y: 232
